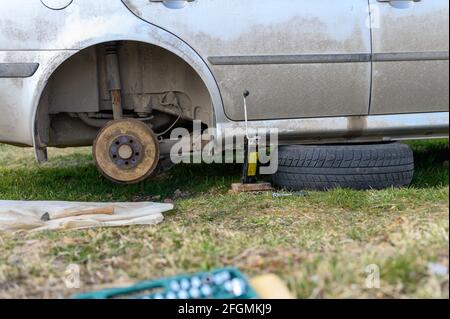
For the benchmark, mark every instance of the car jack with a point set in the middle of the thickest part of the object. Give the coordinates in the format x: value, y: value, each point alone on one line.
x: 249, y: 182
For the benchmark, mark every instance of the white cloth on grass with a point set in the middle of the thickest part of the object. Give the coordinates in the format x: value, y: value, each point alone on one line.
x: 26, y: 215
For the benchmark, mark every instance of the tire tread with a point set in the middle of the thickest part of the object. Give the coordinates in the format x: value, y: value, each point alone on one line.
x: 365, y: 166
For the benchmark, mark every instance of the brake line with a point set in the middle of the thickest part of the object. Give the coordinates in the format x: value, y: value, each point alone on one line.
x: 180, y: 114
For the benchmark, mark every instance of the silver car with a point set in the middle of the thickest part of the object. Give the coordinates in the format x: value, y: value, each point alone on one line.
x: 121, y: 75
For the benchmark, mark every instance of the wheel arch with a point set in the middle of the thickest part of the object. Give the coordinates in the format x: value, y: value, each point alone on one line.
x: 144, y: 33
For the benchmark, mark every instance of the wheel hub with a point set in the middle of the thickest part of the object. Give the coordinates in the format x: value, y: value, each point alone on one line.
x: 126, y: 152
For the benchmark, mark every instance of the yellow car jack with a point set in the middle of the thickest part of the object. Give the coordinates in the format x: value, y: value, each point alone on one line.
x: 249, y: 182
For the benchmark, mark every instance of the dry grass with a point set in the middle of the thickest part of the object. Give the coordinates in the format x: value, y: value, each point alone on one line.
x: 319, y: 244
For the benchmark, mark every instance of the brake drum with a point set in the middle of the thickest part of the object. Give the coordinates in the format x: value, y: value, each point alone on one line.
x: 126, y: 151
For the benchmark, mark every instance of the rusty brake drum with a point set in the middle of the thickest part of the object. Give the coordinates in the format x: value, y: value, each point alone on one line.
x: 126, y: 151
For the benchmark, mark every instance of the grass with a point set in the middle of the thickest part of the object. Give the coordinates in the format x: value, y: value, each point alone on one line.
x: 319, y: 244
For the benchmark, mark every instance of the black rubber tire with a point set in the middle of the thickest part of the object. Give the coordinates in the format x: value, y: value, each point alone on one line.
x: 361, y: 166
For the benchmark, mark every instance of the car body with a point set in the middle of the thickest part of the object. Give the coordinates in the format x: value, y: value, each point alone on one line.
x: 322, y: 71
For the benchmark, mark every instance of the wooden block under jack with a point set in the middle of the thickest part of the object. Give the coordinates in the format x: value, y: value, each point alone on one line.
x: 257, y: 187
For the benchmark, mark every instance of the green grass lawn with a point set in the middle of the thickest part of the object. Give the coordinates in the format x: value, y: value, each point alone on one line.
x: 319, y: 244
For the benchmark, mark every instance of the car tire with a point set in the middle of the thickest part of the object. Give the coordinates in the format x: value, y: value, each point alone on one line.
x: 362, y: 166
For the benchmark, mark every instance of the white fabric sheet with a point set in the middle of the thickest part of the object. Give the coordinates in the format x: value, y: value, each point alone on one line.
x: 26, y: 215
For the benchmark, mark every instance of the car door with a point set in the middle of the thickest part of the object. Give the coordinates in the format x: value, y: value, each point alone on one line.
x: 410, y: 61
x: 297, y: 58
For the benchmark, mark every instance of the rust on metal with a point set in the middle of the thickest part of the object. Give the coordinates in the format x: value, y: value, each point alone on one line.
x: 123, y: 170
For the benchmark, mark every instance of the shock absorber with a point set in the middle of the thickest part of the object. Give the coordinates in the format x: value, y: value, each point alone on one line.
x: 113, y: 78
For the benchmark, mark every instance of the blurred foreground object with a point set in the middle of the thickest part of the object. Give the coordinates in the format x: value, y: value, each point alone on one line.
x: 226, y: 283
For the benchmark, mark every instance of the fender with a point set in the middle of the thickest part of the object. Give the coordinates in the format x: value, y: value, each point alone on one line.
x: 131, y: 28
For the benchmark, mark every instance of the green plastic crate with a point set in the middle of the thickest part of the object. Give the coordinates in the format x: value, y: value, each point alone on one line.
x: 225, y: 283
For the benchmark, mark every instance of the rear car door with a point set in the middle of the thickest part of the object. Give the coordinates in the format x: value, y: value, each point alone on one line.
x: 298, y: 58
x: 410, y: 61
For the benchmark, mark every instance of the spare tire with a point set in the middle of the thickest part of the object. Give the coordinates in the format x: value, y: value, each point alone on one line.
x: 361, y: 166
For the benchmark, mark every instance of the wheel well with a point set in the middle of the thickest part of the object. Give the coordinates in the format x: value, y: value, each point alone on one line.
x: 158, y: 87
